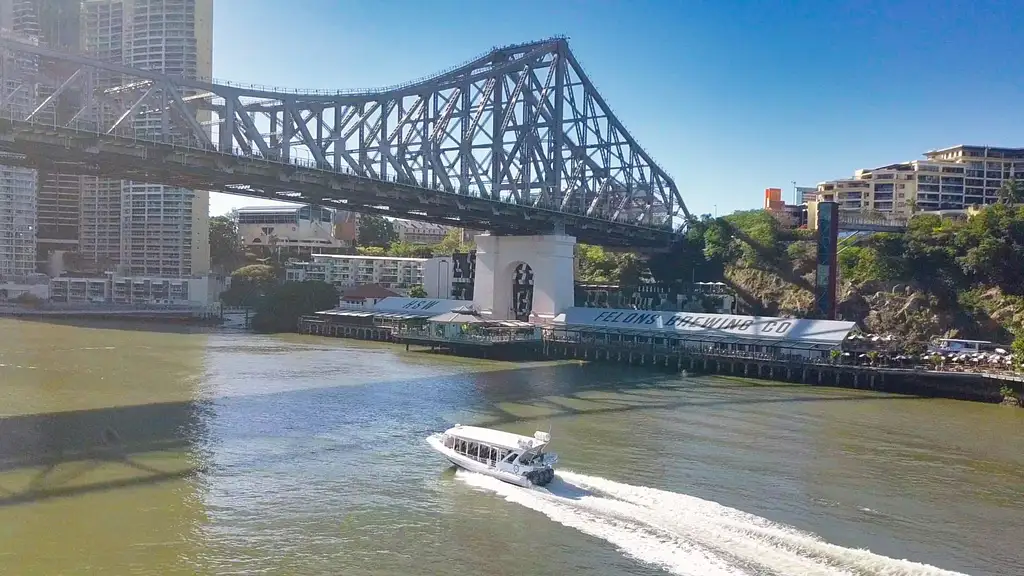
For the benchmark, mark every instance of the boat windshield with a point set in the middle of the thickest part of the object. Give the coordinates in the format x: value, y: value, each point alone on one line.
x: 534, y: 460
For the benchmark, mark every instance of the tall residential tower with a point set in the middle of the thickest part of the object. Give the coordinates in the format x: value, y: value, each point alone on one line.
x: 18, y: 186
x: 161, y: 231
x: 53, y: 23
x: 137, y: 228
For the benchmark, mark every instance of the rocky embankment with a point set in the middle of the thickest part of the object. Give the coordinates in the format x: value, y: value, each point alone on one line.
x: 911, y: 313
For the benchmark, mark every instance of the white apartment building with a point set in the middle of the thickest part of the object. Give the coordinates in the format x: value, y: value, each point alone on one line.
x: 202, y: 292
x: 288, y: 229
x: 18, y: 185
x: 53, y: 23
x: 345, y: 271
x: 150, y: 230
x: 415, y: 232
x: 953, y: 178
x: 165, y: 231
x: 103, y: 28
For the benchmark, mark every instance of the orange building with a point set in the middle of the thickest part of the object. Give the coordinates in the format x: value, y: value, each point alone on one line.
x: 790, y: 216
x: 773, y: 200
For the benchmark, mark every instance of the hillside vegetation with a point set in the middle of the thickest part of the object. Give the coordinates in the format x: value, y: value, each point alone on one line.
x: 942, y: 277
x: 961, y: 278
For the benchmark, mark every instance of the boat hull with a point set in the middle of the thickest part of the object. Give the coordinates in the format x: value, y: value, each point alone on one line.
x: 471, y: 465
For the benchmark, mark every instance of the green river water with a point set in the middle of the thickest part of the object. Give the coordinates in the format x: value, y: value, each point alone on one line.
x: 127, y: 451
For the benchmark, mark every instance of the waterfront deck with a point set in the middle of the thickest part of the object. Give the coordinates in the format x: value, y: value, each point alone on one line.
x: 320, y: 326
x: 799, y: 362
x: 490, y: 339
x: 916, y: 380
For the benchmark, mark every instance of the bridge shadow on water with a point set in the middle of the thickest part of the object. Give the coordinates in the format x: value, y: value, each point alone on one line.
x: 606, y: 389
x: 62, y: 454
x: 59, y: 454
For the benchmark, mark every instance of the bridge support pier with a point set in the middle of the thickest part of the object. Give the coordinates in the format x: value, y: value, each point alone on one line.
x: 525, y: 277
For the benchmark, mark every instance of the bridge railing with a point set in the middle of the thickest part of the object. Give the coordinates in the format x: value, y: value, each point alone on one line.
x: 284, y: 91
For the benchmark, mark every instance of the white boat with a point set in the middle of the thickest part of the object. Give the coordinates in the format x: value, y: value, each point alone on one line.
x: 513, y: 458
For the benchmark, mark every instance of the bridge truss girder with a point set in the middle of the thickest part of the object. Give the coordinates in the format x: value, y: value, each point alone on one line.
x: 521, y: 126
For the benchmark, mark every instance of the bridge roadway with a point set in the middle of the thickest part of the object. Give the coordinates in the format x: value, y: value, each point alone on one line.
x: 72, y: 151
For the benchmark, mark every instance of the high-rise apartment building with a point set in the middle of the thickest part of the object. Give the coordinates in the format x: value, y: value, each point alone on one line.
x: 17, y: 185
x: 53, y: 23
x: 150, y: 230
x: 948, y: 179
x: 103, y: 36
x: 164, y: 230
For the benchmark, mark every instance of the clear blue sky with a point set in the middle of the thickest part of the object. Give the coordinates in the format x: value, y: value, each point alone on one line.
x: 729, y: 97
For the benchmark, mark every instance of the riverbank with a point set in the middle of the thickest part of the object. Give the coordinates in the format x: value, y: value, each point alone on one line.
x: 556, y: 344
x: 117, y: 313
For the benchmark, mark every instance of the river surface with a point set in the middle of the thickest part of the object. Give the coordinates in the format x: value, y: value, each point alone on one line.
x: 125, y: 451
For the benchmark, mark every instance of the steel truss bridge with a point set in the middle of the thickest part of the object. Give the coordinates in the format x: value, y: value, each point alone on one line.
x: 517, y: 141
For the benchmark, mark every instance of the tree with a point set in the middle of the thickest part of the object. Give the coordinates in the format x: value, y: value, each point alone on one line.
x: 1011, y: 192
x: 417, y: 291
x: 422, y: 252
x: 375, y: 231
x: 451, y: 244
x: 371, y: 251
x: 400, y: 249
x: 595, y: 265
x: 686, y: 260
x: 256, y: 273
x: 280, y: 309
x: 249, y: 284
x: 226, y: 251
x: 1018, y: 352
x: 406, y: 250
x: 628, y: 268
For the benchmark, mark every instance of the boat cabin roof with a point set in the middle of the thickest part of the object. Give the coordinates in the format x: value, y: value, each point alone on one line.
x: 496, y: 438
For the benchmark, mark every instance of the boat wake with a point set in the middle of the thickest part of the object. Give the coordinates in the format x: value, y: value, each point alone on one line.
x: 690, y: 536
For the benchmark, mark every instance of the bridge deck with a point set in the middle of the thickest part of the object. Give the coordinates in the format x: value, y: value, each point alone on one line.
x: 73, y: 151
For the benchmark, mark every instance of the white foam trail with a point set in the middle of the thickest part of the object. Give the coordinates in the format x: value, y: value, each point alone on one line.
x: 644, y: 544
x: 690, y: 536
